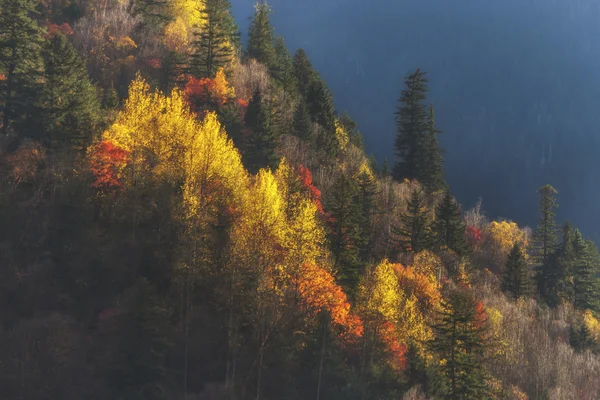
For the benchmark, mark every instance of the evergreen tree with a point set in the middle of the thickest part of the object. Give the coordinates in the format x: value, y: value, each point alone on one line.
x: 516, y: 281
x: 366, y: 190
x: 585, y: 275
x: 461, y: 341
x: 344, y: 232
x: 385, y: 168
x: 260, y: 36
x: 320, y: 104
x: 69, y: 106
x: 263, y: 138
x: 154, y: 15
x: 559, y: 272
x: 411, y: 126
x: 302, y: 125
x: 20, y: 60
x: 351, y: 128
x: 545, y: 238
x: 139, y: 371
x: 283, y: 71
x: 304, y: 72
x: 449, y: 226
x: 172, y: 69
x: 213, y: 45
x: 430, y: 167
x: 581, y: 339
x: 415, y: 233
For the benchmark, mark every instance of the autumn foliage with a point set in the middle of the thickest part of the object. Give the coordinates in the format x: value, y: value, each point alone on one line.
x: 319, y: 292
x: 307, y: 181
x: 107, y: 162
x: 64, y: 28
x: 206, y: 91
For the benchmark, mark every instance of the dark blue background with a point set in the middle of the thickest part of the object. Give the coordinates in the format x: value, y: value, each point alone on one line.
x: 515, y: 83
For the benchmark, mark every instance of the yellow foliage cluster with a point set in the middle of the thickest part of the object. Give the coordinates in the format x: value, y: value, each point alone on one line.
x: 168, y: 143
x: 341, y: 135
x: 503, y: 236
x: 428, y: 264
x: 592, y: 324
x: 188, y: 17
x: 402, y: 296
x: 221, y: 87
x: 177, y: 36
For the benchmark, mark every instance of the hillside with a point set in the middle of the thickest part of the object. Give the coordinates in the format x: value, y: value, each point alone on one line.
x: 513, y: 82
x: 187, y: 217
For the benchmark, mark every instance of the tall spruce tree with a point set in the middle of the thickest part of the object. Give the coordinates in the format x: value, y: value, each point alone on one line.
x: 449, y: 226
x: 303, y: 71
x: 545, y: 239
x: 411, y: 127
x: 214, y: 44
x: 559, y: 270
x: 516, y: 281
x: 69, y: 109
x: 263, y: 137
x: 322, y: 110
x: 414, y: 233
x: 430, y: 166
x: 302, y: 126
x: 344, y: 232
x: 461, y: 341
x: 154, y: 15
x: 21, y: 63
x: 260, y: 36
x: 585, y: 275
x: 366, y: 191
x: 283, y: 71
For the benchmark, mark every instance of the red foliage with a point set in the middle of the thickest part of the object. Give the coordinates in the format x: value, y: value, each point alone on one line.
x: 480, y: 315
x: 307, y: 181
x: 106, y: 160
x: 65, y: 29
x: 474, y: 236
x: 204, y: 92
x: 153, y: 63
x: 396, y: 349
x: 319, y: 292
x: 2, y: 77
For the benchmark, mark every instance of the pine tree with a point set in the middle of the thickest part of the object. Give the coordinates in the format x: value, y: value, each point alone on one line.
x: 449, y: 226
x: 260, y: 36
x: 558, y: 273
x: 263, y: 138
x: 545, y: 238
x: 516, y: 281
x: 283, y: 71
x: 139, y: 370
x: 415, y: 233
x: 320, y: 104
x: 385, y: 168
x: 69, y: 106
x: 20, y: 60
x: 367, y: 189
x: 304, y: 72
x: 581, y: 339
x: 213, y: 45
x: 344, y: 232
x: 302, y: 125
x: 154, y: 14
x: 461, y: 341
x: 585, y: 275
x: 430, y: 167
x: 411, y: 126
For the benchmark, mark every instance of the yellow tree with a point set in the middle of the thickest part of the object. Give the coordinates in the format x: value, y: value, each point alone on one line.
x: 502, y: 236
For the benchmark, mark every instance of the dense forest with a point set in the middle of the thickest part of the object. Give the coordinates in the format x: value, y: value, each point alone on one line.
x: 187, y: 217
